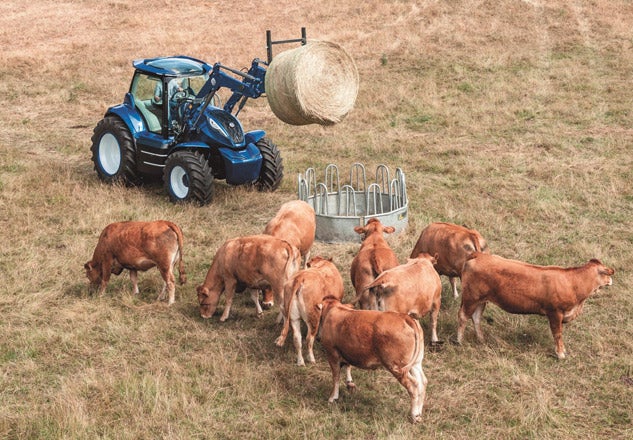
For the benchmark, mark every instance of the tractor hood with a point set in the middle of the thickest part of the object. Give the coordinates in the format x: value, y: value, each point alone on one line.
x: 223, y: 128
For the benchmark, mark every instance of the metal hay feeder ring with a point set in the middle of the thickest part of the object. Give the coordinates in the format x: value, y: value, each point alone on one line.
x: 339, y: 208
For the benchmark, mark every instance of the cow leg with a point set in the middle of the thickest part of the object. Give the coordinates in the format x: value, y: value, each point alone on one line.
x: 417, y: 375
x: 295, y: 323
x: 556, y: 326
x: 170, y: 285
x: 349, y: 382
x: 255, y: 298
x: 106, y: 270
x: 435, y: 311
x: 134, y: 279
x: 453, y: 281
x: 477, y: 321
x: 313, y: 327
x: 335, y: 366
x: 466, y: 311
x: 229, y: 291
x: 268, y: 298
x: 411, y: 381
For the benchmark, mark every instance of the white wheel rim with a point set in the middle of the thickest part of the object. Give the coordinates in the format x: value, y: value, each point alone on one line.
x: 109, y: 153
x: 179, y: 182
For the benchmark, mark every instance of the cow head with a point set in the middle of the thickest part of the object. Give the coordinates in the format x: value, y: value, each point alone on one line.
x: 604, y: 273
x: 93, y: 273
x: 373, y: 226
x: 207, y: 300
x: 318, y: 261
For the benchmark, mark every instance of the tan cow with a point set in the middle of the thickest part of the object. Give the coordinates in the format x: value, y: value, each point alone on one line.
x: 302, y: 293
x: 374, y: 257
x: 295, y: 222
x: 518, y: 287
x: 370, y: 339
x: 452, y: 244
x: 138, y: 246
x: 413, y: 288
x: 254, y: 262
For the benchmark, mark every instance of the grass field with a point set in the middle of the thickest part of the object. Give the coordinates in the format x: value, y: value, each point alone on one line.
x: 513, y: 117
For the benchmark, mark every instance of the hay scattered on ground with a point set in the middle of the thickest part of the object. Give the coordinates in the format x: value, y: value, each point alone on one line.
x: 316, y: 83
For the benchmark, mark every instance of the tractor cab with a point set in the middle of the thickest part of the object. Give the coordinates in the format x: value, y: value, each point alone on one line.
x: 161, y: 85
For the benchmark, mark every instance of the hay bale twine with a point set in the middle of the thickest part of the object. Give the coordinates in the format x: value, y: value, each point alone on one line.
x: 316, y: 83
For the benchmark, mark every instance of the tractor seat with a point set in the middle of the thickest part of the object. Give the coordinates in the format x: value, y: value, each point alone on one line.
x: 151, y: 120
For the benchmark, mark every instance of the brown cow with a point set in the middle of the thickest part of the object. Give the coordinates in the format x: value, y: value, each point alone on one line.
x: 518, y: 287
x: 302, y: 293
x: 295, y: 222
x: 452, y: 244
x: 374, y: 257
x: 138, y: 246
x: 254, y: 262
x: 370, y: 339
x: 413, y: 288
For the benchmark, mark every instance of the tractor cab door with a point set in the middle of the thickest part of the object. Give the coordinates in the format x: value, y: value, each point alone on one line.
x: 147, y: 91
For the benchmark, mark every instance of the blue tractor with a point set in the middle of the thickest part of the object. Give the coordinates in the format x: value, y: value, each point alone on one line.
x: 171, y: 125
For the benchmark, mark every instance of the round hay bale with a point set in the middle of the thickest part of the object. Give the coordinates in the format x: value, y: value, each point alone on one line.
x: 316, y: 83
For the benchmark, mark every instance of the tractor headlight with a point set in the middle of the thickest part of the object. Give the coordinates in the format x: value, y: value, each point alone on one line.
x: 216, y: 126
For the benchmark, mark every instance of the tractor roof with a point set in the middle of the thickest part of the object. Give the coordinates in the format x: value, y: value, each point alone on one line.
x: 172, y: 66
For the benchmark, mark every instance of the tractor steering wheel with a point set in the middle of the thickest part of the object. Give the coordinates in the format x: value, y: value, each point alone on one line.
x: 179, y: 96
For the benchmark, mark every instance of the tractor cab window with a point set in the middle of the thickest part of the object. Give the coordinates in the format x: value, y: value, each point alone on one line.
x: 143, y: 89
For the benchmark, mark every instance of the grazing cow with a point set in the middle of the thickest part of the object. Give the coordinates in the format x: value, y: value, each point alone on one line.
x: 295, y: 222
x: 452, y: 244
x: 517, y: 287
x: 302, y: 293
x: 374, y: 257
x: 370, y: 339
x: 138, y: 246
x: 254, y: 262
x: 413, y: 288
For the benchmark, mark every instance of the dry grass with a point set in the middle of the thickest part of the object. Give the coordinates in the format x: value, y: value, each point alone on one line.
x: 514, y: 117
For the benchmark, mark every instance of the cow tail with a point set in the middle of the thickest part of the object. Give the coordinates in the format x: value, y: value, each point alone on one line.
x: 287, y: 306
x: 418, y: 349
x: 182, y: 276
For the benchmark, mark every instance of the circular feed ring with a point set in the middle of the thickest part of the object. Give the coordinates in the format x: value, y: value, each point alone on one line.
x: 341, y: 207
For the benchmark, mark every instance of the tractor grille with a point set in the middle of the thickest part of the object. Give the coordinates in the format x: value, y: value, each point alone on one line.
x: 230, y: 124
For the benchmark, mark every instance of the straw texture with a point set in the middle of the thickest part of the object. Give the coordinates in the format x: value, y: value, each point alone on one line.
x: 316, y: 83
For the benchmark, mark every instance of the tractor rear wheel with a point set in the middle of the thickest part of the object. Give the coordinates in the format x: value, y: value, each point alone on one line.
x: 188, y: 177
x: 113, y: 152
x: 272, y: 167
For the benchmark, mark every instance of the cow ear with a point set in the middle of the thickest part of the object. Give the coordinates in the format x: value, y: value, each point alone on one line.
x: 318, y: 307
x: 202, y: 290
x: 88, y: 265
x: 359, y: 229
x: 389, y: 229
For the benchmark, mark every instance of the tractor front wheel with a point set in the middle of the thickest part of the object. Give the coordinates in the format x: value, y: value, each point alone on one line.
x: 188, y: 178
x: 113, y: 152
x: 272, y: 167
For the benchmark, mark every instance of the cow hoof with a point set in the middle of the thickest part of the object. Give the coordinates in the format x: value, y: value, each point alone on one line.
x: 260, y: 315
x: 301, y: 363
x: 436, y: 346
x: 279, y: 342
x: 351, y: 387
x: 417, y: 418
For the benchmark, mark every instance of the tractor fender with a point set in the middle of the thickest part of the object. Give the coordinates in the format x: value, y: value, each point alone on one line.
x: 128, y: 114
x: 252, y: 137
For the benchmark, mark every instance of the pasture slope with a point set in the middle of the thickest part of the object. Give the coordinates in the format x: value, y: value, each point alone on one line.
x: 512, y: 117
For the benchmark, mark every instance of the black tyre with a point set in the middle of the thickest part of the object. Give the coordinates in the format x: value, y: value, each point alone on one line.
x: 272, y: 166
x: 188, y: 178
x: 113, y: 152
